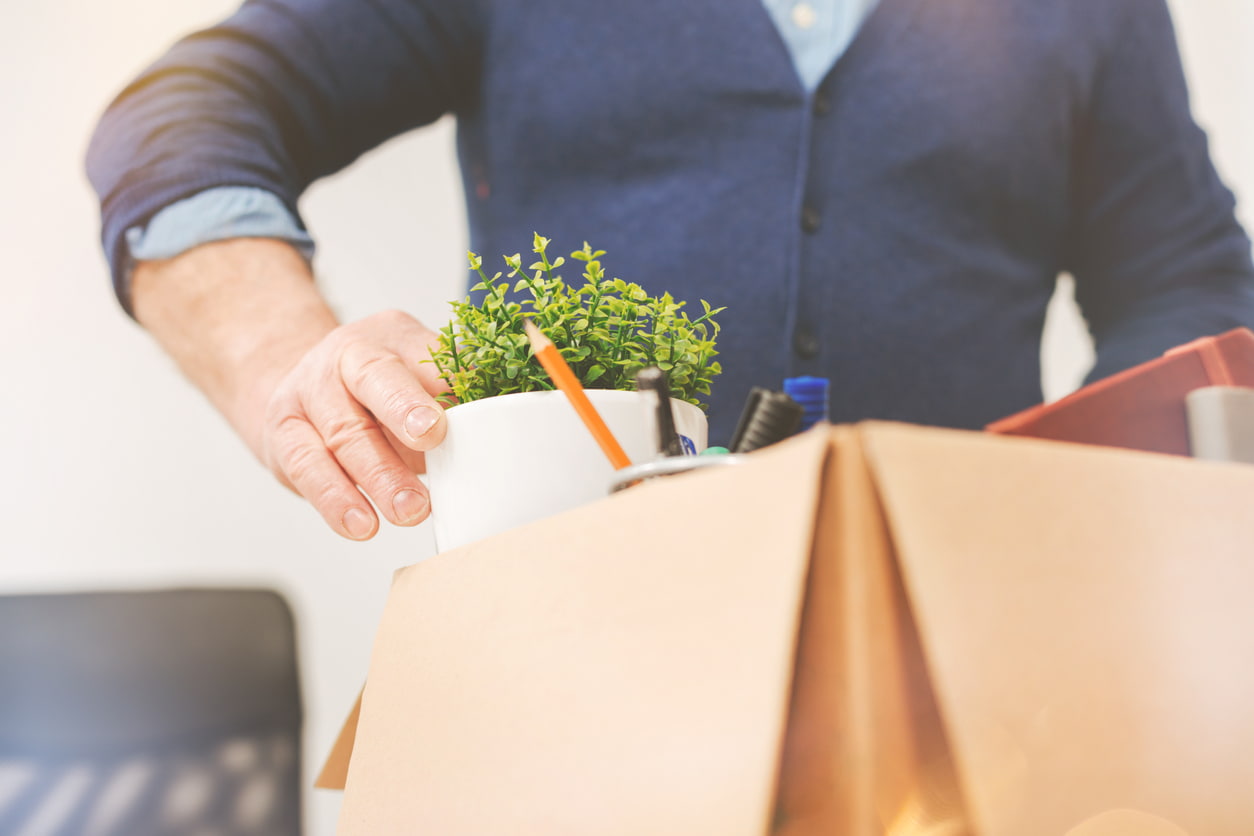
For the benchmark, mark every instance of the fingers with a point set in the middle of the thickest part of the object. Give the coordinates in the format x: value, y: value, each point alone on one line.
x: 382, y: 382
x: 415, y: 462
x: 349, y: 424
x: 328, y: 457
x: 305, y: 462
x: 364, y: 453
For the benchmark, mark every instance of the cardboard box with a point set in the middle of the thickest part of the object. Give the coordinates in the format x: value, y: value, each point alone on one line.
x: 870, y: 630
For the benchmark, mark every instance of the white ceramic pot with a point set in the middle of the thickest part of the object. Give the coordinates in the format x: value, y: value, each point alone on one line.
x: 516, y: 458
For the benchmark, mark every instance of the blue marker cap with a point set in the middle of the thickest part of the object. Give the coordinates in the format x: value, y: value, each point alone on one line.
x: 811, y: 393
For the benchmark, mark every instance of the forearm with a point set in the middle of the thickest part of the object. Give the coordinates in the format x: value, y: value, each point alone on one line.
x: 339, y: 413
x: 236, y: 316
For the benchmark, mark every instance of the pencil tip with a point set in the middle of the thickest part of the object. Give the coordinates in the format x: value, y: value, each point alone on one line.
x: 535, y: 335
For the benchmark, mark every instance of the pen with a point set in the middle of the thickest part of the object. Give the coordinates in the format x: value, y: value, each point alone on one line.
x: 653, y: 379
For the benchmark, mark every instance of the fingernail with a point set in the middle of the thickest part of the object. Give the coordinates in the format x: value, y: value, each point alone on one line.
x: 409, y: 505
x: 419, y: 420
x: 358, y: 523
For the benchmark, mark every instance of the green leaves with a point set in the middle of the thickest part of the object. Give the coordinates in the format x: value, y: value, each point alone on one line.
x: 606, y: 329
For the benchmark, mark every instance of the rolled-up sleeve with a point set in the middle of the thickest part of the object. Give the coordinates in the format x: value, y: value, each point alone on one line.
x: 214, y: 215
x: 279, y: 94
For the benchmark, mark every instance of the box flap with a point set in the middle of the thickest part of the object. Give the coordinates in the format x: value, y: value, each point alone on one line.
x: 335, y: 770
x: 865, y: 752
x: 1086, y: 620
x: 623, y: 668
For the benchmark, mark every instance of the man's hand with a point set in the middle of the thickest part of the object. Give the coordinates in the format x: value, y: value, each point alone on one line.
x: 356, y: 411
x: 327, y: 408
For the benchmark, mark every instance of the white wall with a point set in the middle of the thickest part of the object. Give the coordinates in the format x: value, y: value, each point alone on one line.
x: 117, y: 474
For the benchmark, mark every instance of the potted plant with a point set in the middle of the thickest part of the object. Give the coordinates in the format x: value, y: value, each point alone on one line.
x: 515, y: 450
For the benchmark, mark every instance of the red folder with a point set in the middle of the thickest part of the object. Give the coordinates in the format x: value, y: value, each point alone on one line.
x: 1141, y: 408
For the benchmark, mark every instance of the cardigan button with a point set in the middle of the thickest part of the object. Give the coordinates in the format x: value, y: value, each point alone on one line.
x: 822, y: 104
x: 805, y: 343
x: 810, y: 219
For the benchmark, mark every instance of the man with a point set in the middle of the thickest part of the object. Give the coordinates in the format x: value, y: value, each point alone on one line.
x: 883, y: 196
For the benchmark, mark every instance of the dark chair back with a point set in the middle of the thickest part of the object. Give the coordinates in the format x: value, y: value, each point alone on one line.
x: 167, y: 713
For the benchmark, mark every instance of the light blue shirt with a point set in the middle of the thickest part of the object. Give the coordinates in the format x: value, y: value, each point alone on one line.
x: 816, y: 32
x: 215, y: 215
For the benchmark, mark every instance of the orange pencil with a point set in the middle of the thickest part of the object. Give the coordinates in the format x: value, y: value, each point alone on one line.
x: 565, y: 379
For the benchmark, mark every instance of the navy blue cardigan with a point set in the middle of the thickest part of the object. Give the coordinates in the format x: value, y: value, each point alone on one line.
x: 899, y: 231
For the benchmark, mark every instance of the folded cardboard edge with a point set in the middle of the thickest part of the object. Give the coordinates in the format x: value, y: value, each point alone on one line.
x: 334, y: 772
x: 896, y: 452
x: 809, y: 797
x: 865, y: 747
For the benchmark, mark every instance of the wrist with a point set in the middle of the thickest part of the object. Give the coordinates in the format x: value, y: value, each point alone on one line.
x: 237, y: 316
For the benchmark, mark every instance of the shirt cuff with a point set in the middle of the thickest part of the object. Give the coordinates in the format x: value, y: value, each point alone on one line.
x: 215, y: 215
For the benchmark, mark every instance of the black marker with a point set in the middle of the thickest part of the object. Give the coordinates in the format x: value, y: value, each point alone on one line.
x: 768, y: 417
